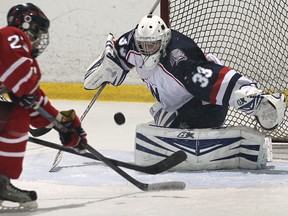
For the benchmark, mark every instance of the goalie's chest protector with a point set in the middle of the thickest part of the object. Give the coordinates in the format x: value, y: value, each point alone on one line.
x: 165, y: 87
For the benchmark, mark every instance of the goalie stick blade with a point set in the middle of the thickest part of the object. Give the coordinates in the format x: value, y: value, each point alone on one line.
x: 163, y: 186
x: 57, y: 160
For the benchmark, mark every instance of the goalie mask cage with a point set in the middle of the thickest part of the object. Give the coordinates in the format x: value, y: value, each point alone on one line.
x: 248, y: 36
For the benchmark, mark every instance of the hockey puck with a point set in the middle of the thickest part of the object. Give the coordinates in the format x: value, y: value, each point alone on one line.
x: 119, y: 118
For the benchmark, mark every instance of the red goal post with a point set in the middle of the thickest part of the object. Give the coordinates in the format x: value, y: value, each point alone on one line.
x: 248, y: 36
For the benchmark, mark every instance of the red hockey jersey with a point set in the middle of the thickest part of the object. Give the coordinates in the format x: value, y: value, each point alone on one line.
x: 20, y: 73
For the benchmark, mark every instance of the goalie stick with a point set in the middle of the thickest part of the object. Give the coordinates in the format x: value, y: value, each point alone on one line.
x: 41, y: 131
x: 171, y: 185
x: 154, y: 7
x: 59, y: 155
x: 94, y: 66
x: 164, y: 165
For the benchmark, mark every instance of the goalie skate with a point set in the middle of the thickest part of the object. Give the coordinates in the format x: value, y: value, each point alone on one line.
x: 12, y: 198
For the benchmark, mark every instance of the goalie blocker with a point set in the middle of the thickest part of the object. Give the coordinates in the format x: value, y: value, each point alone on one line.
x: 105, y: 69
x: 207, y: 149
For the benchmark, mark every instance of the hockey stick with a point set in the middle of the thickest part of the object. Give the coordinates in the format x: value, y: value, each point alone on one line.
x: 92, y: 101
x: 154, y: 7
x: 164, y: 165
x: 59, y: 155
x: 172, y: 185
x: 94, y: 66
x: 2, y: 98
x: 41, y: 131
x: 34, y: 132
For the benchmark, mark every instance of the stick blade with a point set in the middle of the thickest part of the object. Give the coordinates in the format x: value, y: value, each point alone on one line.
x: 56, y: 162
x: 39, y: 131
x: 164, y: 186
x: 171, y: 161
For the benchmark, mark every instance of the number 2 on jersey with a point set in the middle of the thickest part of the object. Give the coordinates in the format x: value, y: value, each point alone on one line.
x: 17, y: 42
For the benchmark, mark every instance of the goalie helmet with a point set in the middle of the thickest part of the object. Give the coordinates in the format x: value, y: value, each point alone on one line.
x: 151, y: 38
x: 30, y: 19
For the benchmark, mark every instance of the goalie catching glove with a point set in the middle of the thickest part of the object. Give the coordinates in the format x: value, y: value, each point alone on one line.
x: 75, y: 137
x: 105, y: 69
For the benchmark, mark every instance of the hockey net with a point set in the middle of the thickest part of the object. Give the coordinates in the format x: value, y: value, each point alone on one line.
x: 248, y: 36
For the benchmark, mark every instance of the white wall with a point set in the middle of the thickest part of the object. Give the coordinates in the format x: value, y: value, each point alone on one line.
x: 78, y: 32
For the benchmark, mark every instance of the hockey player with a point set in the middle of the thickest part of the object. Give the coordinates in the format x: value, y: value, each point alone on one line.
x: 25, y: 38
x: 193, y: 90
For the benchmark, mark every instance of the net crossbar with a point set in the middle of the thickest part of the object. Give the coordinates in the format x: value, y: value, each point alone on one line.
x: 248, y: 36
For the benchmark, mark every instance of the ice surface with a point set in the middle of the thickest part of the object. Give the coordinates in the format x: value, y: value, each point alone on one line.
x: 83, y: 186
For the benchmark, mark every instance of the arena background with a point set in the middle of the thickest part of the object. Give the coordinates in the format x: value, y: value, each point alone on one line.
x: 78, y: 32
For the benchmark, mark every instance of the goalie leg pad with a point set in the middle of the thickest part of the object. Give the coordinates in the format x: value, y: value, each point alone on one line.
x: 206, y: 149
x: 269, y: 109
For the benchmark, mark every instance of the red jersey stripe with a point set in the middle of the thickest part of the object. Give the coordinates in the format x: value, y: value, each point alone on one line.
x: 218, y: 83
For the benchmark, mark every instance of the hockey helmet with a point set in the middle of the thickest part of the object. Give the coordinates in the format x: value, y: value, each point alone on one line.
x: 31, y: 19
x: 151, y: 38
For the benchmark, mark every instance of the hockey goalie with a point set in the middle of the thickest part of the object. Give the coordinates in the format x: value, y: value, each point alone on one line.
x: 193, y: 91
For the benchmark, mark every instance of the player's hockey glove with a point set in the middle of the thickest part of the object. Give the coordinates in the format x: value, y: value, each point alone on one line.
x: 33, y: 100
x: 3, y: 89
x: 28, y: 101
x: 75, y: 137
